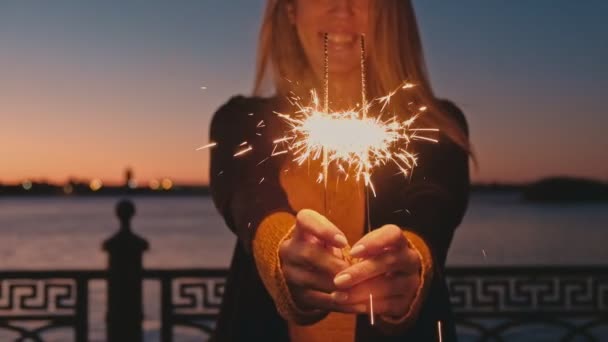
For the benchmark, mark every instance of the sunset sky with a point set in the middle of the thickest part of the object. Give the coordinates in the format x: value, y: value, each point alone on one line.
x: 89, y: 88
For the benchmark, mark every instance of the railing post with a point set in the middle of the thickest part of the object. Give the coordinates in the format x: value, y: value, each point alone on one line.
x: 166, y: 328
x: 125, y: 249
x: 82, y: 310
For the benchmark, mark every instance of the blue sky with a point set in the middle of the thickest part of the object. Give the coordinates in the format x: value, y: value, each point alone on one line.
x: 91, y: 87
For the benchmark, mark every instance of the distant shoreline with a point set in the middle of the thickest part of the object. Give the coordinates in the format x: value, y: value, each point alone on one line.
x: 553, y: 189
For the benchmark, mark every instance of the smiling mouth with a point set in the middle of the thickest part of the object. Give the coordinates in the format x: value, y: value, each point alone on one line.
x: 340, y: 40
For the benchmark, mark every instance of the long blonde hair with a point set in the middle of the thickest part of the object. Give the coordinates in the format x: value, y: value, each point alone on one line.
x: 396, y: 56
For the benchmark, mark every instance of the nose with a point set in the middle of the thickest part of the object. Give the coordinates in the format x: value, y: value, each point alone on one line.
x: 342, y: 9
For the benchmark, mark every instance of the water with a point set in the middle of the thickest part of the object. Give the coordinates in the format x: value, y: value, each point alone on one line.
x: 64, y: 233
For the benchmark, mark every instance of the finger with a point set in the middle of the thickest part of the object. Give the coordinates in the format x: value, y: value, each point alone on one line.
x: 308, y: 279
x: 317, y: 257
x: 324, y: 301
x: 401, y: 261
x: 310, y: 222
x: 377, y: 241
x: 381, y: 287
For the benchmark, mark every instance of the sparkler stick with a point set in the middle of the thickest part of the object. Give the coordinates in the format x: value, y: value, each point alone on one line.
x: 324, y: 148
x: 366, y: 171
x: 364, y: 115
x: 325, y: 110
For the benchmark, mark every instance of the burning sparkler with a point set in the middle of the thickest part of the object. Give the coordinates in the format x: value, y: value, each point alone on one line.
x: 367, y: 143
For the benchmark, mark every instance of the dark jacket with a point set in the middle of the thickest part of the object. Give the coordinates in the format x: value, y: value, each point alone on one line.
x: 431, y: 203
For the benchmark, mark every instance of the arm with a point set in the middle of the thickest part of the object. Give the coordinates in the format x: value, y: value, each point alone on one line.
x: 430, y: 208
x: 243, y: 190
x: 256, y: 210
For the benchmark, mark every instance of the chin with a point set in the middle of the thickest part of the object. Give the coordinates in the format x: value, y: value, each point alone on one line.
x: 338, y: 67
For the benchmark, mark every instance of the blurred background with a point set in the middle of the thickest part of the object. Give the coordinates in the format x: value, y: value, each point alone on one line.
x: 99, y: 98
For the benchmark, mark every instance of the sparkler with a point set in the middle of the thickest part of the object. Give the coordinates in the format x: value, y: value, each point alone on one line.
x: 368, y: 142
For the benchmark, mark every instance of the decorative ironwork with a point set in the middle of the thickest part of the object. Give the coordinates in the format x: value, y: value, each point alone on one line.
x: 491, y: 304
x: 25, y: 295
x: 33, y: 303
x: 189, y: 298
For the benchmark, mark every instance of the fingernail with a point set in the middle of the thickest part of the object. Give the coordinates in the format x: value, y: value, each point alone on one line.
x: 340, y: 296
x: 357, y: 250
x: 341, y: 239
x: 342, y: 279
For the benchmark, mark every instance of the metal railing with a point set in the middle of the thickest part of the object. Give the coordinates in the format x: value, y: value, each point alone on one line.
x: 490, y: 304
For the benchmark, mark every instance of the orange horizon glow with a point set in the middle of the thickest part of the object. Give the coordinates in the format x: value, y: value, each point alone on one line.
x: 86, y: 99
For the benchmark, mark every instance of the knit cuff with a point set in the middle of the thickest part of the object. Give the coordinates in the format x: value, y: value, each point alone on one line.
x: 426, y: 272
x: 272, y: 231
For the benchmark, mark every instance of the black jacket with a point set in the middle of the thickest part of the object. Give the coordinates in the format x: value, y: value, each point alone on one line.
x: 435, y: 197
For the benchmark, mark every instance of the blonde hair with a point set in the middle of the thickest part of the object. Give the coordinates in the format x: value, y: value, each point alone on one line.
x: 395, y: 56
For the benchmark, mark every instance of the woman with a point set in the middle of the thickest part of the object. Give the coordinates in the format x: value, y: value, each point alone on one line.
x: 294, y: 275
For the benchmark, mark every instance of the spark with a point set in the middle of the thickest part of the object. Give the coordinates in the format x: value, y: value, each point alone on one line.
x: 408, y: 85
x: 385, y: 100
x: 275, y: 153
x: 209, y: 145
x: 241, y: 152
x: 261, y: 124
x: 261, y: 180
x: 263, y: 160
x: 320, y: 177
x: 439, y: 331
x: 279, y: 153
x: 423, y: 138
x: 353, y: 141
x: 424, y: 129
x: 203, y: 88
x: 282, y: 140
x: 243, y: 143
x: 371, y: 309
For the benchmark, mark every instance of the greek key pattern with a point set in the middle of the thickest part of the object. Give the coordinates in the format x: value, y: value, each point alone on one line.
x: 510, y: 294
x: 197, y: 295
x: 23, y: 296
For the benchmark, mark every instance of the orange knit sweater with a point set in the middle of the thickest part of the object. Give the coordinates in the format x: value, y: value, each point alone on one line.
x: 345, y: 200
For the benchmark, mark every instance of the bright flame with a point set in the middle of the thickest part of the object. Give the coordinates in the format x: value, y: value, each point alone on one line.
x: 345, y: 133
x: 351, y: 139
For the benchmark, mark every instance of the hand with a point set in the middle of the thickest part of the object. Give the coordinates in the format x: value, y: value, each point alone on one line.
x: 389, y: 269
x: 310, y: 259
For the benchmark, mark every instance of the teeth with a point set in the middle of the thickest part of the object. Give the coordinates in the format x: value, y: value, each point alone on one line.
x: 340, y: 38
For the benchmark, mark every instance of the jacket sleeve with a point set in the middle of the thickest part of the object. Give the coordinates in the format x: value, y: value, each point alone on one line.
x: 247, y: 192
x: 243, y: 179
x: 429, y: 207
x: 433, y: 201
